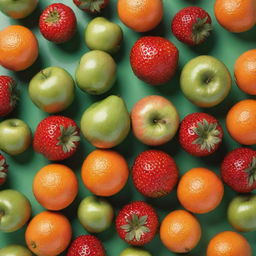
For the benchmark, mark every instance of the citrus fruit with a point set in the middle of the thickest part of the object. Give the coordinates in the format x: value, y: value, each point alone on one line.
x: 180, y: 231
x: 200, y: 190
x: 236, y: 15
x: 104, y: 172
x: 228, y: 243
x: 48, y: 234
x: 241, y: 122
x: 245, y: 72
x: 140, y: 15
x: 18, y: 47
x: 55, y: 186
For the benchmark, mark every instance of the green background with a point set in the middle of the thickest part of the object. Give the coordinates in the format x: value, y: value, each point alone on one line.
x: 222, y: 44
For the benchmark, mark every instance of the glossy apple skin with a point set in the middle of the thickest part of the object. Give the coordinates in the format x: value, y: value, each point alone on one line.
x: 205, y: 81
x: 106, y: 123
x: 96, y: 72
x: 155, y: 120
x: 15, y: 210
x: 15, y: 250
x: 95, y: 215
x: 102, y: 34
x: 15, y: 136
x: 18, y: 9
x: 134, y: 252
x: 242, y: 213
x: 52, y: 89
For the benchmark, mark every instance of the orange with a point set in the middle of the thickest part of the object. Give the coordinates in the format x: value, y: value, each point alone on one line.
x: 241, y: 122
x: 55, y: 186
x: 104, y: 172
x: 228, y: 243
x: 245, y: 72
x: 18, y: 48
x: 140, y: 15
x: 200, y: 190
x: 236, y: 15
x: 180, y: 231
x: 48, y: 234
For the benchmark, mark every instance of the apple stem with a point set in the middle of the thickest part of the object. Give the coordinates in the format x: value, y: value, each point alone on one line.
x: 158, y: 121
x: 2, y: 213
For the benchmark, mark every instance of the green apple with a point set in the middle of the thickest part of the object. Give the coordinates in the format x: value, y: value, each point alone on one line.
x: 15, y: 136
x: 15, y: 210
x: 15, y: 250
x: 102, y: 34
x: 96, y: 72
x: 95, y: 214
x: 132, y: 251
x: 205, y: 81
x: 18, y: 9
x: 106, y: 123
x: 155, y: 120
x: 242, y: 213
x: 52, y: 89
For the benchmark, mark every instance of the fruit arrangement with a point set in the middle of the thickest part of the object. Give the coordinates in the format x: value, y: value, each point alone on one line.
x: 127, y: 127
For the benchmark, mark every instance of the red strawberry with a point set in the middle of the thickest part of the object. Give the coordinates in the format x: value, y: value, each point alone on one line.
x: 137, y: 223
x: 3, y: 169
x: 56, y: 137
x: 57, y: 23
x: 154, y: 173
x: 238, y: 170
x: 154, y: 59
x: 192, y: 25
x: 86, y: 245
x: 8, y: 95
x: 93, y: 6
x: 200, y: 134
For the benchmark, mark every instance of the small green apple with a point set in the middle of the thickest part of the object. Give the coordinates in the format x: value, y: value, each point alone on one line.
x: 15, y: 136
x: 95, y: 214
x: 132, y: 251
x: 102, y: 34
x: 15, y: 250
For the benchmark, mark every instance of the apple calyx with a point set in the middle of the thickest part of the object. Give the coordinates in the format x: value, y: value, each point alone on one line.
x: 201, y: 30
x: 2, y: 213
x: 92, y: 5
x: 207, y: 135
x: 251, y: 170
x: 3, y: 167
x: 135, y: 227
x: 53, y: 16
x: 69, y: 135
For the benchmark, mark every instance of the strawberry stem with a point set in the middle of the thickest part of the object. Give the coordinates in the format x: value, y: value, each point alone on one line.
x: 201, y: 30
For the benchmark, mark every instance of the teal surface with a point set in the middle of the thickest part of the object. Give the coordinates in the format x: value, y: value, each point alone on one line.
x: 222, y: 44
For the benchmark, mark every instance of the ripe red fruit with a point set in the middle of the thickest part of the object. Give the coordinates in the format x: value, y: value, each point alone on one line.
x: 192, y: 25
x: 200, y: 134
x: 154, y: 173
x: 58, y: 23
x: 154, y: 59
x: 238, y: 170
x: 56, y: 137
x: 3, y: 169
x: 137, y: 223
x: 86, y: 245
x: 8, y: 95
x: 92, y: 6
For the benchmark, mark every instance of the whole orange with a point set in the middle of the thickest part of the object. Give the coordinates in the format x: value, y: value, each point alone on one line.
x: 55, y: 186
x: 48, y: 234
x: 180, y: 231
x: 18, y: 47
x: 228, y: 243
x: 241, y: 122
x: 245, y: 72
x: 200, y: 190
x: 140, y: 15
x: 104, y: 172
x: 236, y: 15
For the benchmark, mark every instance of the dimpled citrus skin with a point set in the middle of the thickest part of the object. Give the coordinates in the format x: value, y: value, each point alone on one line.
x: 154, y: 173
x: 228, y: 243
x: 154, y: 59
x: 180, y: 231
x: 200, y: 190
